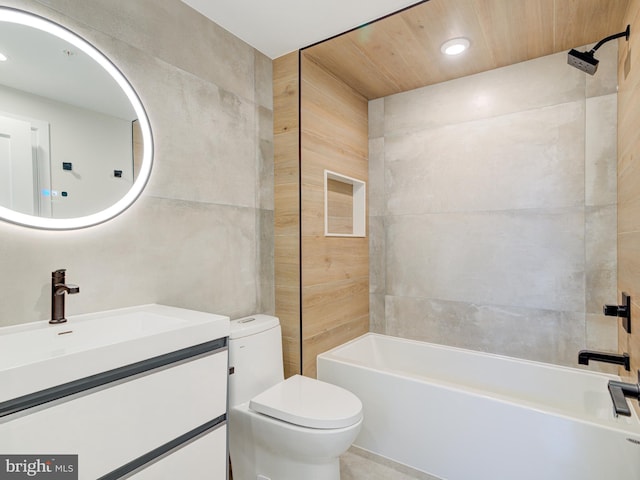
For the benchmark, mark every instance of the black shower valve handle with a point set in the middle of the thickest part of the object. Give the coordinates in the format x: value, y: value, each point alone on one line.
x: 615, y: 310
x: 623, y: 311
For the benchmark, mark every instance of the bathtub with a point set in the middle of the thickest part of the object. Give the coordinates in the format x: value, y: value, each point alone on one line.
x: 463, y: 415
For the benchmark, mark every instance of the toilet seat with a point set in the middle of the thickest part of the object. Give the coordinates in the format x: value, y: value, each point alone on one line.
x: 309, y: 403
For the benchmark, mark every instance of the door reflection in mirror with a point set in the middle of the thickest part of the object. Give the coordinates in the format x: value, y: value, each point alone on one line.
x: 63, y: 102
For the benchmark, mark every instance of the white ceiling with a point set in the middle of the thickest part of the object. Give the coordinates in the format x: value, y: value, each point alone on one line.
x: 277, y: 27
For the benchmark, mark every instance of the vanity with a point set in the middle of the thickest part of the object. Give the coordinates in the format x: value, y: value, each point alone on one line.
x: 138, y: 392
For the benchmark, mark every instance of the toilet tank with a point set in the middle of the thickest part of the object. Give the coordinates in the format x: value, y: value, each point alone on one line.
x: 255, y: 357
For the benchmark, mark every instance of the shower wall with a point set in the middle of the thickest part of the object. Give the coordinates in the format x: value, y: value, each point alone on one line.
x: 493, y: 210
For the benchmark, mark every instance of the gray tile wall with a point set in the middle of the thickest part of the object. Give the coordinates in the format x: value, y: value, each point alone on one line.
x: 201, y: 235
x: 493, y: 210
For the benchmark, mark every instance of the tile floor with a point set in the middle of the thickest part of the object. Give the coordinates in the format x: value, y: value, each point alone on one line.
x: 358, y: 464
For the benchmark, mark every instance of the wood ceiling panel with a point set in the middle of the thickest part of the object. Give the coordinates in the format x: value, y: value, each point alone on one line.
x: 402, y: 52
x: 516, y: 30
x: 387, y: 46
x: 430, y: 32
x: 581, y: 22
x: 348, y: 62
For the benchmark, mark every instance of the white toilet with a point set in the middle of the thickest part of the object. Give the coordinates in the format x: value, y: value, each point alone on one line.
x: 292, y: 429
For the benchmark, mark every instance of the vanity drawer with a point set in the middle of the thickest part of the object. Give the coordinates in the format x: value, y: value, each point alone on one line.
x: 112, y: 425
x: 187, y: 462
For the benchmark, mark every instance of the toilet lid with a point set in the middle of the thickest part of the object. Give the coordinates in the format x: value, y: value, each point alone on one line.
x: 309, y: 403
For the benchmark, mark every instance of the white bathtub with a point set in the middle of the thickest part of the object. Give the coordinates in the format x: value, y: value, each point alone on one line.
x: 464, y: 415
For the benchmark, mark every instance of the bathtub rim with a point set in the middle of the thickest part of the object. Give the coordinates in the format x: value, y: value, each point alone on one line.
x: 440, y: 346
x: 629, y: 425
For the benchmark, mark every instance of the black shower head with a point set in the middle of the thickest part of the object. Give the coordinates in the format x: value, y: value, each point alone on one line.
x: 584, y: 61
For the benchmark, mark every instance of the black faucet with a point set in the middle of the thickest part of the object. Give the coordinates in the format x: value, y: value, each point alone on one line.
x: 620, y: 390
x: 58, y: 289
x: 585, y: 355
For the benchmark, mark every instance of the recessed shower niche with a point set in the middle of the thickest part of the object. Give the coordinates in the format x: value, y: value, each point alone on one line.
x: 344, y: 206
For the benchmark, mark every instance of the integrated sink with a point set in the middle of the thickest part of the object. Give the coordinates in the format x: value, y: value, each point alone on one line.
x: 41, y: 341
x: 39, y: 355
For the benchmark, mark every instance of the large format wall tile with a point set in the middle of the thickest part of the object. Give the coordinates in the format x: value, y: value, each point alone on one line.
x: 535, y: 334
x: 266, y: 261
x: 529, y: 85
x: 376, y: 202
x: 210, y: 154
x: 532, y: 259
x: 532, y: 159
x: 376, y: 118
x: 377, y: 255
x: 265, y: 159
x: 600, y: 257
x: 186, y: 254
x: 377, y: 320
x: 602, y: 336
x: 173, y: 32
x: 217, y: 239
x: 600, y: 150
x: 605, y: 82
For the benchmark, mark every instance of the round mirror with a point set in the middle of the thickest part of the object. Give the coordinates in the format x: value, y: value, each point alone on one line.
x: 75, y: 142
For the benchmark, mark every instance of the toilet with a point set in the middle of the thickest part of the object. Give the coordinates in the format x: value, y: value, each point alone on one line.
x: 281, y: 429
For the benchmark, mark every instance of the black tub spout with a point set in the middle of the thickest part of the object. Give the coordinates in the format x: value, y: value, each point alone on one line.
x: 584, y: 356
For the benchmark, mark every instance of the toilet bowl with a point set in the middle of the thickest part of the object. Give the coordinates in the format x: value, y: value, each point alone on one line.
x: 283, y: 429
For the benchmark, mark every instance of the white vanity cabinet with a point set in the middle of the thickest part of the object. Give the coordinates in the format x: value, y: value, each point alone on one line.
x: 160, y: 417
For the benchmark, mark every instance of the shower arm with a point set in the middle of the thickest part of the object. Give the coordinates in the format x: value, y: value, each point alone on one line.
x: 626, y: 33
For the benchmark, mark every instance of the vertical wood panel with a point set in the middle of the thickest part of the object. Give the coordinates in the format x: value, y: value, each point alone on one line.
x: 629, y: 186
x: 286, y: 206
x: 579, y: 22
x: 335, y: 271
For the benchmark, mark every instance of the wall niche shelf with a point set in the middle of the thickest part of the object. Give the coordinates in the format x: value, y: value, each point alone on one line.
x: 344, y: 206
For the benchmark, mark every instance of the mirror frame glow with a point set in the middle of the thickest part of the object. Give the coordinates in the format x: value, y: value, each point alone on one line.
x: 28, y: 19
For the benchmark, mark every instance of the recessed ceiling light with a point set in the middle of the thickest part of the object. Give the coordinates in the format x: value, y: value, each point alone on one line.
x: 455, y: 46
x: 3, y: 58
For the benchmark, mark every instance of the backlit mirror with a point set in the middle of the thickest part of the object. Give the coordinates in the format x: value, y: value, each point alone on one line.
x: 75, y: 142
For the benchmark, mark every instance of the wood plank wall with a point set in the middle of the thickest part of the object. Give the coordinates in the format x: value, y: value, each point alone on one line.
x: 286, y: 206
x: 629, y: 185
x: 334, y: 286
x: 335, y: 270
